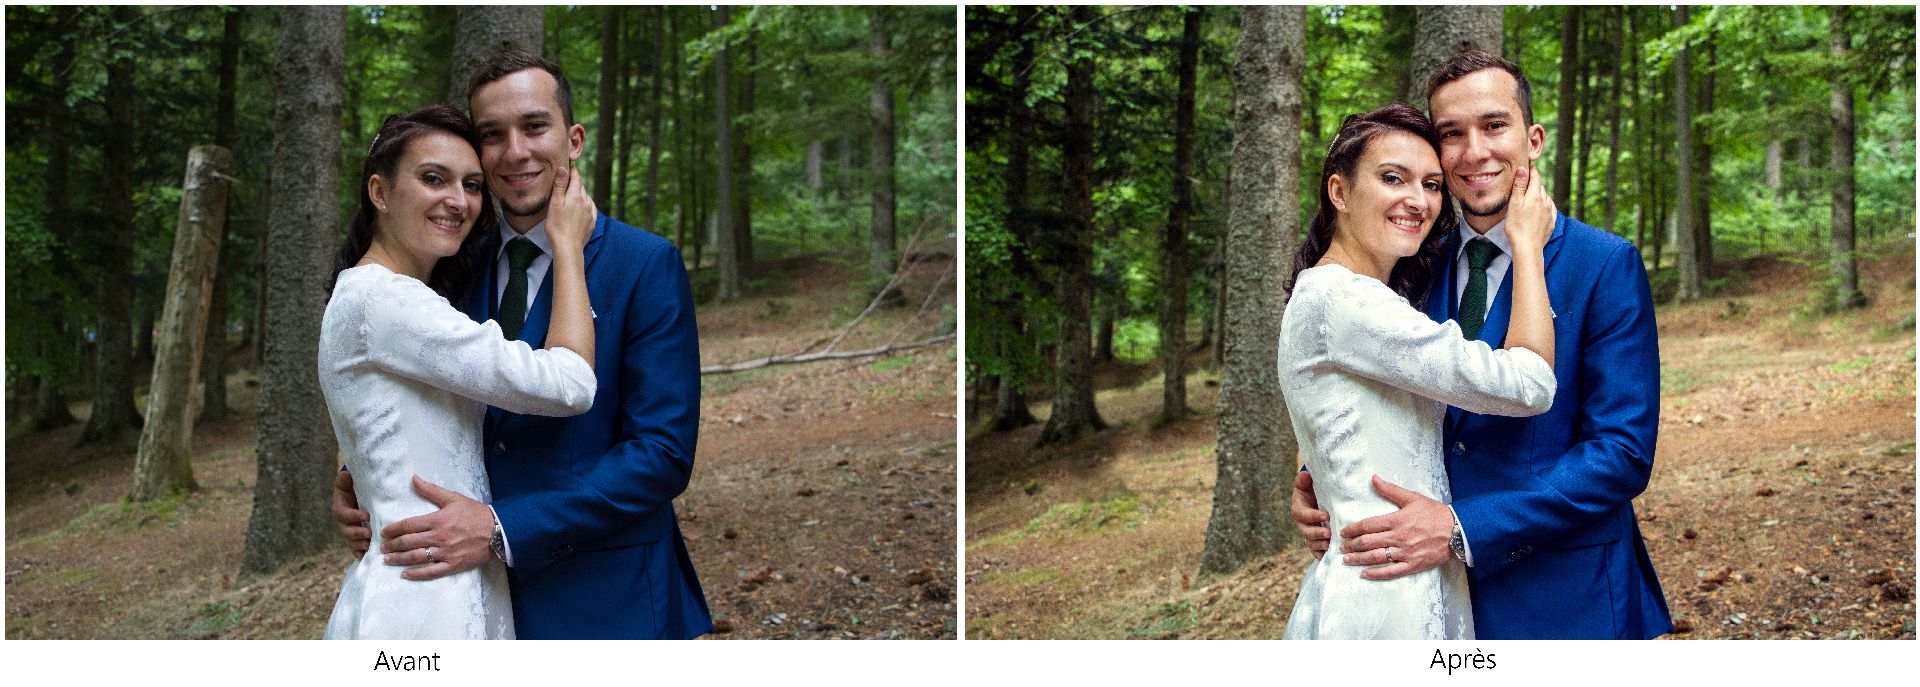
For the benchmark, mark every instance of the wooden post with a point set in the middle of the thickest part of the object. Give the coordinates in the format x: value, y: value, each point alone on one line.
x: 163, y: 466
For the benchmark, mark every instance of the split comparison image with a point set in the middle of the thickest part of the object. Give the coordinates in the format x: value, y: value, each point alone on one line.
x: 983, y: 322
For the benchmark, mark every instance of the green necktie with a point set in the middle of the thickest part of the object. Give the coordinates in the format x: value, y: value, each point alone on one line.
x: 513, y: 305
x: 1473, y: 304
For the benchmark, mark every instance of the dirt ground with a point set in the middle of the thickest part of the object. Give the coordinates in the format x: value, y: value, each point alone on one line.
x: 821, y: 506
x: 1781, y: 504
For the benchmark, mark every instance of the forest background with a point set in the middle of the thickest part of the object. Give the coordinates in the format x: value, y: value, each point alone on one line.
x: 1137, y: 181
x: 803, y: 159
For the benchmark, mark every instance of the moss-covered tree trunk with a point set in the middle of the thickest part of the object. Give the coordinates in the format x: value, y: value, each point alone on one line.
x: 297, y: 451
x: 1255, y: 441
x: 1442, y: 30
x: 164, y: 464
x: 1843, y: 267
x: 1174, y: 277
x: 114, y: 416
x: 1074, y: 415
x: 483, y: 31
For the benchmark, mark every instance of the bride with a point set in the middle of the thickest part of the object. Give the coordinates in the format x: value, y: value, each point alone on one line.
x: 1367, y: 377
x: 407, y: 376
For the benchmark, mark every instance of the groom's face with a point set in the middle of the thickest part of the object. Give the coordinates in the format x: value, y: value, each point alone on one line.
x: 523, y: 138
x: 1484, y: 136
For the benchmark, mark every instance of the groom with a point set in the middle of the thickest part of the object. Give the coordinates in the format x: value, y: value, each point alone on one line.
x: 583, y: 506
x: 1542, y: 510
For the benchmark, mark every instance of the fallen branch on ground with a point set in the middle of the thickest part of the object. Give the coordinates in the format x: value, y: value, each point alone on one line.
x: 825, y: 355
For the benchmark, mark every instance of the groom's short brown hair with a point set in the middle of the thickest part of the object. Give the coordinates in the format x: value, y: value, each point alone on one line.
x: 515, y: 60
x: 1468, y: 62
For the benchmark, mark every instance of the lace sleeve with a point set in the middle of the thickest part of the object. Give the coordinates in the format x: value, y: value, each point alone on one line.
x: 1375, y: 333
x: 413, y: 332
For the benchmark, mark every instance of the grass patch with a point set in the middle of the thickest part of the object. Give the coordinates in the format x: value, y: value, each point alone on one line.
x: 1025, y: 577
x: 124, y: 514
x: 723, y: 384
x: 1173, y: 618
x: 64, y: 578
x: 1851, y: 365
x: 891, y: 364
x: 213, y: 619
x: 1120, y: 509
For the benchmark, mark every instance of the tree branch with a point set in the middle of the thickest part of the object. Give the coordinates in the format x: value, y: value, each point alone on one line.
x: 823, y: 355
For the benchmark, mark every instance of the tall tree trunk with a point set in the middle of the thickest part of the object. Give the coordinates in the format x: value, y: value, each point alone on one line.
x: 653, y: 127
x: 114, y: 416
x: 723, y: 159
x: 484, y: 31
x: 49, y: 405
x: 1010, y: 409
x: 1589, y: 102
x: 683, y: 136
x: 1683, y: 186
x: 813, y: 179
x: 213, y: 363
x: 1703, y: 164
x: 880, y: 230
x: 1174, y: 279
x: 1563, y: 128
x: 163, y: 466
x: 1073, y: 413
x: 1256, y: 446
x: 1613, y: 119
x: 297, y: 450
x: 1844, y: 271
x: 608, y: 117
x: 1440, y: 31
x: 1223, y: 296
x: 1108, y: 291
x: 743, y: 160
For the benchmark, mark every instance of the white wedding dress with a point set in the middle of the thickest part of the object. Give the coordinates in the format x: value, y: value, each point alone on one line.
x: 1367, y: 379
x: 407, y: 379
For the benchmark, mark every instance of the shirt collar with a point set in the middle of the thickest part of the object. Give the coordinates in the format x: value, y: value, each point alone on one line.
x: 1498, y: 235
x: 538, y: 235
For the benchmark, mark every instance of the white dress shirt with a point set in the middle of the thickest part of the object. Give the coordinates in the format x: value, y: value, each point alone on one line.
x: 1496, y: 270
x: 536, y: 270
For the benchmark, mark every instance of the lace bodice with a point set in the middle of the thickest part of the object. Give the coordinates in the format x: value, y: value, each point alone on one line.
x: 1367, y: 379
x: 407, y: 379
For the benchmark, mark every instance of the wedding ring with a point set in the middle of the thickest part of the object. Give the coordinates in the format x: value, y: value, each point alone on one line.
x: 430, y: 554
x: 1389, y: 554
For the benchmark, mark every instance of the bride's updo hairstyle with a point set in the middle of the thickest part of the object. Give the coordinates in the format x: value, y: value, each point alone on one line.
x: 1413, y: 274
x: 453, y: 273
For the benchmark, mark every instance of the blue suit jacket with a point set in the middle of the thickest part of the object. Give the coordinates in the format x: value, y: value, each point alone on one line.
x: 1546, y: 502
x: 587, y: 501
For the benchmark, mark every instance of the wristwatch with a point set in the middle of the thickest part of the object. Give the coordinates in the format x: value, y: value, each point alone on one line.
x: 1457, y: 542
x: 498, y: 542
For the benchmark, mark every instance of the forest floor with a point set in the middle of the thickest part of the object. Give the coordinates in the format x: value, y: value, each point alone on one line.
x: 821, y: 506
x: 1781, y: 504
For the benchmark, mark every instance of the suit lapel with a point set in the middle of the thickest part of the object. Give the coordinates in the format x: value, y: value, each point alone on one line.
x: 1500, y: 311
x: 1440, y: 301
x: 540, y: 313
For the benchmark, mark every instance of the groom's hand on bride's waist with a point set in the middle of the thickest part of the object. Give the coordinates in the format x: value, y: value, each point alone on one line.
x: 457, y: 534
x: 1307, y: 516
x: 347, y: 516
x: 1406, y: 541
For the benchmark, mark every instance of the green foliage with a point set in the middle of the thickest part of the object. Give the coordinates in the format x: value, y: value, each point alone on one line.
x: 811, y: 67
x: 1770, y: 68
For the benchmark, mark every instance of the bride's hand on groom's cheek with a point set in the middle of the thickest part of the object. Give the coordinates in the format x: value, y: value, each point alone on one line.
x: 458, y: 535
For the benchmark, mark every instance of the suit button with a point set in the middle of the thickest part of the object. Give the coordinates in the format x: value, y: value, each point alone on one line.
x: 499, y: 447
x: 1459, y: 447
